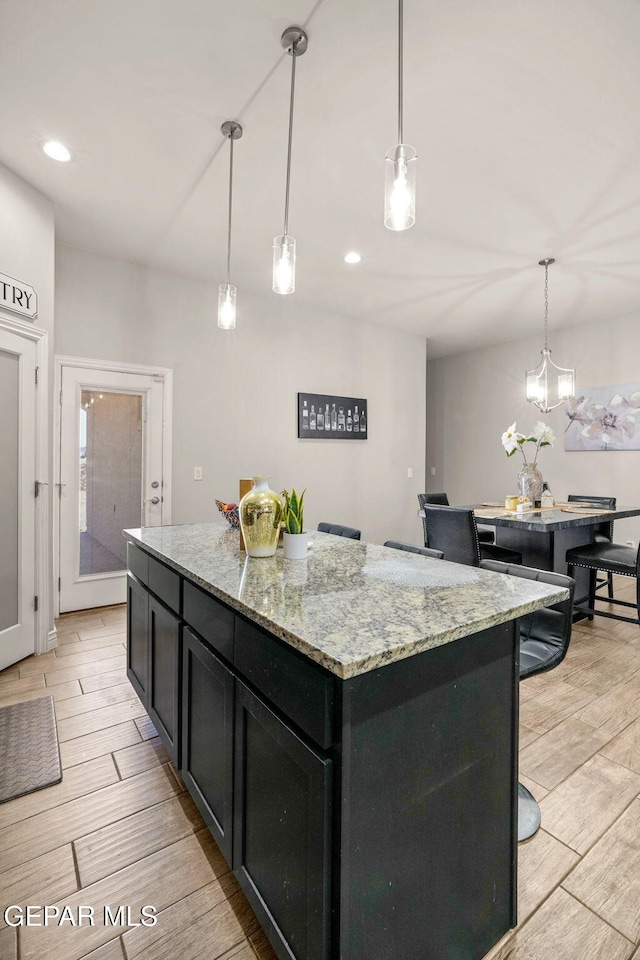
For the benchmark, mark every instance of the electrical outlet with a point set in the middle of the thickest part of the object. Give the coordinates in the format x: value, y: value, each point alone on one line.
x: 197, y: 473
x: 433, y: 471
x: 409, y: 473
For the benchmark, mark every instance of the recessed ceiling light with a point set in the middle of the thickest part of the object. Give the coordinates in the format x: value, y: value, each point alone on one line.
x: 56, y: 150
x: 352, y: 257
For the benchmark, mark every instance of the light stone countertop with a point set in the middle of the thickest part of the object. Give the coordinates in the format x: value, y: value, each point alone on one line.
x: 351, y: 606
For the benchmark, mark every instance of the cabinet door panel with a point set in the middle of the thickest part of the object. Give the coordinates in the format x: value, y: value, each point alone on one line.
x: 164, y: 647
x: 138, y: 637
x: 282, y: 817
x: 207, y: 737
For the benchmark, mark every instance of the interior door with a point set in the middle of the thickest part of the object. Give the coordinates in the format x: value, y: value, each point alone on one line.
x: 17, y: 497
x: 111, y: 437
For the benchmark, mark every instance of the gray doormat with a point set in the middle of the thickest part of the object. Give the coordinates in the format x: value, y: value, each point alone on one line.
x: 29, y: 752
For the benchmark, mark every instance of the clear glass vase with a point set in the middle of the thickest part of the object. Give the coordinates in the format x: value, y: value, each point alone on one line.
x: 260, y: 513
x: 530, y: 483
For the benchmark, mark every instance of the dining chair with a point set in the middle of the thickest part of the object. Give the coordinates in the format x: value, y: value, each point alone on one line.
x: 544, y: 637
x: 609, y: 558
x: 454, y: 531
x: 412, y: 548
x: 603, y: 531
x: 485, y: 534
x: 339, y: 531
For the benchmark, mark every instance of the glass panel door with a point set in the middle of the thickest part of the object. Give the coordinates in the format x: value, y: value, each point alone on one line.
x: 110, y: 477
x: 9, y: 492
x: 111, y: 443
x: 17, y: 496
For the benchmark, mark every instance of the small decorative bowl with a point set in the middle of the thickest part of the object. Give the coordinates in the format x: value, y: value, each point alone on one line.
x: 230, y: 512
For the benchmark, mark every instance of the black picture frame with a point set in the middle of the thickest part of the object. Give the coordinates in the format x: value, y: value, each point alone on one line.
x: 346, y: 417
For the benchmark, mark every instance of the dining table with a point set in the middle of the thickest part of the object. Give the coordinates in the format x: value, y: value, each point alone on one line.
x: 544, y: 534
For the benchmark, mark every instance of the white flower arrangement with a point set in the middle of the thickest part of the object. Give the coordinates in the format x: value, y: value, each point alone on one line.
x: 542, y: 436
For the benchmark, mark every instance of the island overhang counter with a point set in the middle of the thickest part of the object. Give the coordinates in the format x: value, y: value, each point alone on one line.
x: 347, y: 726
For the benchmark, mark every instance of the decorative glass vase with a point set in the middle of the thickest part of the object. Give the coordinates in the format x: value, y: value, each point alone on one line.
x: 260, y: 514
x: 530, y: 483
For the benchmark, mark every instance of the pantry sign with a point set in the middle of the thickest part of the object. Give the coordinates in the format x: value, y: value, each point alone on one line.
x: 18, y: 297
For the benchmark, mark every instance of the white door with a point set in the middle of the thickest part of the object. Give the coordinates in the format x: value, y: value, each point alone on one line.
x: 17, y: 497
x: 111, y: 478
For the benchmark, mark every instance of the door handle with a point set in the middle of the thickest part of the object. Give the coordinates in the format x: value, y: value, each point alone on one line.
x: 152, y: 500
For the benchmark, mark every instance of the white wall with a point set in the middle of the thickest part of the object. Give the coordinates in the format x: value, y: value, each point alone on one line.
x: 235, y: 392
x: 473, y: 397
x: 27, y: 253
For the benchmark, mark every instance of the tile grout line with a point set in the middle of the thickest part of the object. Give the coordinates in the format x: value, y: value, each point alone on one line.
x: 597, y: 915
x: 93, y: 829
x: 76, y: 866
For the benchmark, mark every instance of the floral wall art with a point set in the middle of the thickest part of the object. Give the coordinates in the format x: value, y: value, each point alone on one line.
x: 604, y: 418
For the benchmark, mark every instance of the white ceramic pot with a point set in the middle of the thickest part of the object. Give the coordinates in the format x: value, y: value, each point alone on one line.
x: 295, y: 546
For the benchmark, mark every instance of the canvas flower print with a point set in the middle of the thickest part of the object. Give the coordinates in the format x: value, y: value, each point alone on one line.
x: 604, y: 418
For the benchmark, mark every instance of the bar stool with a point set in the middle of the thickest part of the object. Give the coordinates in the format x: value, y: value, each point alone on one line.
x: 453, y: 530
x: 610, y: 558
x: 603, y: 532
x: 339, y: 531
x: 411, y: 548
x: 544, y: 640
x: 485, y: 534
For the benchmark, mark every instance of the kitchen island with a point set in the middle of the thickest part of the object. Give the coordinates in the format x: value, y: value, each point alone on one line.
x: 347, y: 726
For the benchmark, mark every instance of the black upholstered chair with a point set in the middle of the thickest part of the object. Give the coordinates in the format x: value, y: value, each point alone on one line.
x: 544, y: 640
x: 453, y: 530
x: 610, y: 558
x: 485, y: 533
x: 411, y: 548
x: 603, y: 531
x: 339, y: 531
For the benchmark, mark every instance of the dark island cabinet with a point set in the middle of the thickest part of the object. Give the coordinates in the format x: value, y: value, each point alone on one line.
x: 207, y: 737
x: 164, y: 676
x: 154, y: 629
x: 282, y: 829
x: 138, y: 637
x: 366, y: 818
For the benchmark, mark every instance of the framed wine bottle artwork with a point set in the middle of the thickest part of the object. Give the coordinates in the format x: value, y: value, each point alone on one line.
x: 322, y: 416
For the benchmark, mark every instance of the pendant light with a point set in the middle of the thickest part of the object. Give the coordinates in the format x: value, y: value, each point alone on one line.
x: 549, y: 385
x: 295, y: 42
x: 226, y: 291
x: 400, y: 162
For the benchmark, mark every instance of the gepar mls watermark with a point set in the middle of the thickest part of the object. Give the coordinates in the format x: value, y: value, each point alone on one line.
x: 79, y: 916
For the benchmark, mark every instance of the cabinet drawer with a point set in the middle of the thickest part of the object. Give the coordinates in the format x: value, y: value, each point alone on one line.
x: 165, y: 583
x: 211, y: 619
x: 297, y: 687
x: 138, y: 563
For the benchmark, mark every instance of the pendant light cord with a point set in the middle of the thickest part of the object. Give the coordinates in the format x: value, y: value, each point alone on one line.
x: 400, y: 59
x: 546, y: 306
x: 293, y: 90
x: 230, y: 203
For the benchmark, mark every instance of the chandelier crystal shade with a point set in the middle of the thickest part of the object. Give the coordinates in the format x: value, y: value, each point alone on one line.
x: 400, y: 161
x: 549, y: 385
x: 227, y: 291
x: 295, y: 42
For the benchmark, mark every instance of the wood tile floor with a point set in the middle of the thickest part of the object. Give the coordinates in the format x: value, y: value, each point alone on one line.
x: 120, y: 828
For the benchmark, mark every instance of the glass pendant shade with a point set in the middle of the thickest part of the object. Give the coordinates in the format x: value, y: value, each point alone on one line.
x: 400, y: 187
x: 550, y: 385
x: 227, y: 306
x: 284, y: 264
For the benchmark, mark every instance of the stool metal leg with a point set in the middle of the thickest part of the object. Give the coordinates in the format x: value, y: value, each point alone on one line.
x: 528, y: 814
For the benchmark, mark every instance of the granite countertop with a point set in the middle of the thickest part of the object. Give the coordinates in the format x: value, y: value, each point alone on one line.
x: 547, y: 521
x: 351, y: 606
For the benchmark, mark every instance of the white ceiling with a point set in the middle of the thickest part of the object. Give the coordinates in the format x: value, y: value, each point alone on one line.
x: 524, y: 114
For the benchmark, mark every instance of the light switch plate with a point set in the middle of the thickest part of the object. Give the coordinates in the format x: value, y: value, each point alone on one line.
x: 197, y: 473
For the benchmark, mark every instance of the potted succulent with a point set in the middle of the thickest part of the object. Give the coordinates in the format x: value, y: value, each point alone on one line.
x: 295, y: 539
